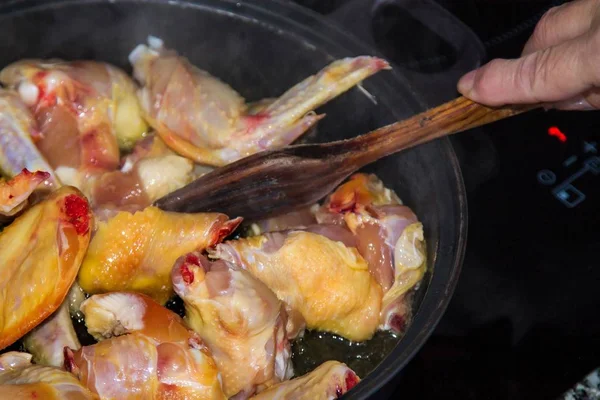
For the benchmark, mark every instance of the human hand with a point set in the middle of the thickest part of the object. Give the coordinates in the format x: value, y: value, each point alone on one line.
x: 559, y: 66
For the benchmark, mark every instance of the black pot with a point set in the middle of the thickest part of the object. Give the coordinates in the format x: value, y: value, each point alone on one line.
x: 262, y: 48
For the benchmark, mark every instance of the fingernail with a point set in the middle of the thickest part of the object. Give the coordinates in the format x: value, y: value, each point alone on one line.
x: 576, y: 103
x: 465, y: 84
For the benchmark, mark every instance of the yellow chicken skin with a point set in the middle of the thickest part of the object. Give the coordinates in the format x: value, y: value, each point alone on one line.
x: 326, y: 281
x: 19, y: 379
x: 145, y: 352
x: 136, y: 252
x: 40, y: 254
x: 330, y: 380
x: 240, y: 319
x: 387, y: 234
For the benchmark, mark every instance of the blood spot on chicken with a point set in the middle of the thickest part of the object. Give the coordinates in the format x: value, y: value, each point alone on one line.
x: 40, y: 76
x: 78, y: 212
x: 398, y: 323
x: 186, y: 273
x: 351, y: 380
x: 381, y: 64
x: 69, y: 362
x: 253, y: 121
x: 226, y: 229
x: 38, y: 79
x: 192, y: 259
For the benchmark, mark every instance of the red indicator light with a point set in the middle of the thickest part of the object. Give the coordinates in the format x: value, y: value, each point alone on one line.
x: 554, y: 131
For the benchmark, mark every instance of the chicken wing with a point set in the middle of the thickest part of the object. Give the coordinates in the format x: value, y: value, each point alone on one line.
x: 136, y: 252
x: 17, y: 153
x: 326, y: 281
x: 86, y: 110
x: 387, y: 234
x: 207, y: 121
x: 17, y: 150
x: 330, y: 380
x: 40, y: 254
x: 14, y: 194
x: 97, y: 99
x: 19, y: 379
x: 156, y: 357
x: 240, y: 319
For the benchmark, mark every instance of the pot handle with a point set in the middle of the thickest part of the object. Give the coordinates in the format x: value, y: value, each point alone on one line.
x: 360, y: 17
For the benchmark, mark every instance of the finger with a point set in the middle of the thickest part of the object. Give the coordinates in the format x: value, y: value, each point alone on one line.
x: 550, y: 75
x: 562, y: 23
x: 590, y: 100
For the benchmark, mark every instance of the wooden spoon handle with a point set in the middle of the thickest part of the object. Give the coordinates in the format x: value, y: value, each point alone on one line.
x: 452, y: 117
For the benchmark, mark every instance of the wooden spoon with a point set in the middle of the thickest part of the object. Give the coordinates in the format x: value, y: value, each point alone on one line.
x: 274, y: 182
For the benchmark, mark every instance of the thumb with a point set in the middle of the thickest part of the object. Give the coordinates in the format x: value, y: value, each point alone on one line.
x: 549, y: 75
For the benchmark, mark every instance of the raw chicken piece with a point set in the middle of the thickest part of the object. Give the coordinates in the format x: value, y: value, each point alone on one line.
x: 148, y: 173
x: 79, y: 104
x: 19, y: 379
x: 85, y: 110
x: 240, y: 319
x: 138, y: 185
x: 410, y: 262
x: 207, y: 121
x: 17, y: 150
x: 121, y: 313
x: 40, y: 254
x: 387, y: 234
x: 14, y: 194
x: 47, y: 341
x: 157, y: 356
x: 326, y: 281
x: 17, y: 153
x: 136, y: 252
x: 330, y: 380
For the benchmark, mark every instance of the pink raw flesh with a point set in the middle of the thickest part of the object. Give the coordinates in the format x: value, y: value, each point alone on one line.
x: 371, y: 245
x: 334, y: 232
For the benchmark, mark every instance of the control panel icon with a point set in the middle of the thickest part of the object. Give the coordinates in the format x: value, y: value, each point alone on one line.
x: 570, y: 161
x: 589, y: 147
x: 546, y: 177
x: 566, y: 192
x: 569, y: 195
x: 593, y: 164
